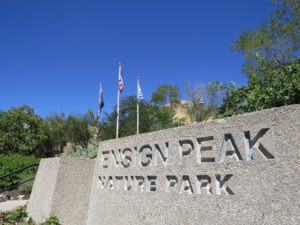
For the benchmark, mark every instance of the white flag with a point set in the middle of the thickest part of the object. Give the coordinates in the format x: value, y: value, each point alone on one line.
x: 139, y: 92
x: 121, y: 84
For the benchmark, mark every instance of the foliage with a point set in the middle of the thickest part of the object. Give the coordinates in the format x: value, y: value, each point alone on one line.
x: 203, y: 101
x: 18, y: 216
x: 268, y: 88
x: 75, y: 129
x: 29, y: 222
x: 166, y: 94
x: 213, y: 97
x: 152, y: 118
x: 162, y: 118
x: 276, y: 41
x: 80, y: 152
x: 26, y: 188
x: 55, y: 129
x: 272, y: 65
x: 20, y: 130
x: 12, y: 161
x: 15, y: 216
x: 51, y: 220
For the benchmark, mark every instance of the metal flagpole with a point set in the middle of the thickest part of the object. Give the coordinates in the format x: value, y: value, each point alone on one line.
x: 118, y: 103
x: 99, y: 103
x: 137, y: 108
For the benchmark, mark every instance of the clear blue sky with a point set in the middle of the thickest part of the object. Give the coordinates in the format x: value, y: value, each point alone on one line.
x: 54, y: 53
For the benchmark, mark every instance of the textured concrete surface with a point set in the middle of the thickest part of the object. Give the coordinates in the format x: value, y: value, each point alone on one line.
x: 72, y: 190
x: 62, y: 188
x: 240, y: 170
x: 10, y: 205
x: 39, y: 205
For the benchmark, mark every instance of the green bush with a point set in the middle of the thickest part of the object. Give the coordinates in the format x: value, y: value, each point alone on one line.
x: 12, y: 161
x: 27, y: 187
x: 80, y: 152
x: 15, y: 216
x: 266, y: 89
x: 51, y: 220
x: 18, y: 216
x: 20, y: 130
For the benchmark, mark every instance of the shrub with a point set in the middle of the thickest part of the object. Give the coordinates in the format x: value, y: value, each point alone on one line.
x: 20, y: 130
x: 51, y: 220
x: 15, y: 216
x: 80, y: 152
x: 267, y: 89
x: 12, y: 161
x: 18, y: 216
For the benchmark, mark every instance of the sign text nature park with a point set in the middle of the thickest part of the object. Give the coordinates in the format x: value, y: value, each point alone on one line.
x: 158, y: 154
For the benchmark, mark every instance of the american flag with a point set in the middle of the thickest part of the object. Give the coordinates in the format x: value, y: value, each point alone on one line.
x: 121, y: 84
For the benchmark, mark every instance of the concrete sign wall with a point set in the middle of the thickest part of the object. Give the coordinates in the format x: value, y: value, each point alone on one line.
x: 240, y: 170
x: 62, y: 188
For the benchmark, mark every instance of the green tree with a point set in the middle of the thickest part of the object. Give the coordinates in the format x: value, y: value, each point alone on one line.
x: 213, y: 96
x: 275, y: 42
x: 77, y: 131
x: 279, y: 87
x: 56, y: 130
x: 162, y: 118
x: 21, y: 130
x: 203, y: 100
x: 196, y: 106
x: 166, y: 94
x: 152, y: 118
x: 272, y: 65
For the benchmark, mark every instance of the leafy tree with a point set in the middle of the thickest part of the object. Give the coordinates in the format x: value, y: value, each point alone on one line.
x: 74, y: 129
x: 279, y: 87
x: 162, y: 118
x: 152, y: 118
x: 196, y: 106
x: 90, y: 118
x: 203, y: 101
x: 272, y: 65
x: 107, y: 129
x: 166, y: 94
x: 55, y: 129
x: 275, y: 42
x: 20, y: 130
x: 77, y: 130
x: 213, y: 96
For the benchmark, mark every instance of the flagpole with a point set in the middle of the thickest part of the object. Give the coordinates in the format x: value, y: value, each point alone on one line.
x: 99, y: 109
x: 137, y: 108
x: 118, y: 105
x: 98, y: 114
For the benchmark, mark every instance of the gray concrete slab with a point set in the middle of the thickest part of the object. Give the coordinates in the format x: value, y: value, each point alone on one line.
x: 62, y: 187
x: 239, y: 170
